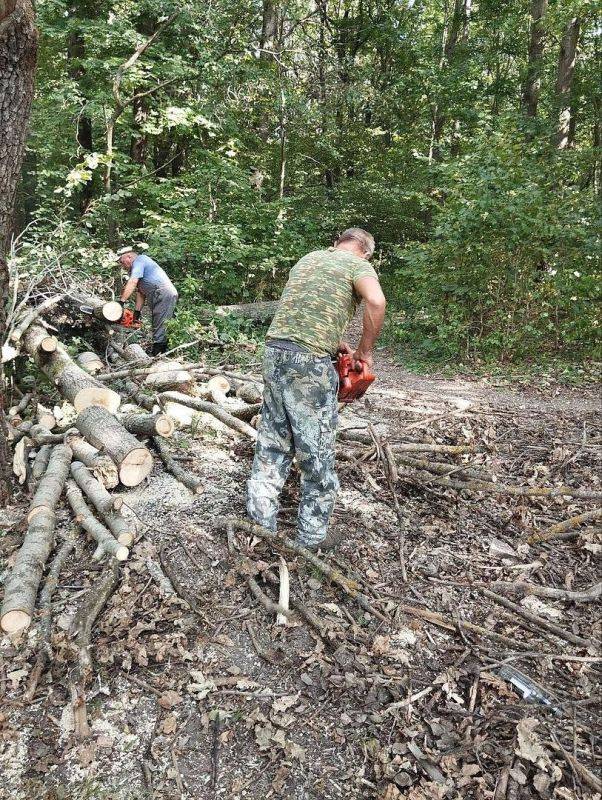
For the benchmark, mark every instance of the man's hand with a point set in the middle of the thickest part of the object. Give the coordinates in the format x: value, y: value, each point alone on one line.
x: 364, y: 357
x: 345, y: 347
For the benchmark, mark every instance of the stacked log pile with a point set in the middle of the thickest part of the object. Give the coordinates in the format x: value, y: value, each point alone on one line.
x: 120, y: 415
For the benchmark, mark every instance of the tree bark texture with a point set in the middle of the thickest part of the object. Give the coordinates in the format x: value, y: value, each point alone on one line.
x: 101, y: 428
x: 106, y: 543
x: 51, y: 484
x: 532, y: 84
x: 564, y: 81
x: 102, y: 466
x: 79, y: 388
x: 18, y: 53
x: 22, y: 583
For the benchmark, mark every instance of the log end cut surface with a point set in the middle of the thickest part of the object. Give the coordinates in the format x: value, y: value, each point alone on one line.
x: 15, y: 621
x: 112, y: 311
x: 97, y: 396
x: 135, y: 467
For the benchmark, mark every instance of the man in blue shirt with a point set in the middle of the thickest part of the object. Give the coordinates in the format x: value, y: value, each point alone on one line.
x: 152, y: 285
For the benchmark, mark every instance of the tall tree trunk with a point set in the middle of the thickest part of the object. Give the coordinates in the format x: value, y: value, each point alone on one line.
x: 449, y: 48
x: 532, y: 85
x: 564, y: 81
x: 18, y: 52
x: 76, y: 54
x: 269, y: 30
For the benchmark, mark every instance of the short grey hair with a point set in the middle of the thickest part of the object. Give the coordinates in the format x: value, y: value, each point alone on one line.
x: 362, y: 237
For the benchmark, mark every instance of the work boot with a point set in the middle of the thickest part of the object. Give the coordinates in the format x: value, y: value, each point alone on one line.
x: 158, y: 348
x: 330, y: 542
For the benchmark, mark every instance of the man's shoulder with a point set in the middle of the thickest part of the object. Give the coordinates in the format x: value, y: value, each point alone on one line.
x: 145, y: 260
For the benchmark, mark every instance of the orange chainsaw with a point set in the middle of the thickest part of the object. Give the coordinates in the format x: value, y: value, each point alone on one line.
x: 354, y: 378
x: 127, y: 319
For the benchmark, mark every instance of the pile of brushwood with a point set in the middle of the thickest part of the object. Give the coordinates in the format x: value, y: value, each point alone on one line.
x: 86, y: 426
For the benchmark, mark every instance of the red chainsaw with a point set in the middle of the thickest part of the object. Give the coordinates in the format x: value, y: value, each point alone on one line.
x: 127, y: 319
x: 354, y: 378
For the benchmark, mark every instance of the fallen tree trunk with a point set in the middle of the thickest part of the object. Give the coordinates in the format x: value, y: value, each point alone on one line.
x: 148, y: 424
x: 51, y: 485
x: 210, y: 408
x: 79, y: 388
x: 107, y: 544
x: 22, y: 584
x: 105, y: 311
x: 184, y: 476
x: 135, y: 392
x: 99, y: 427
x: 103, y: 467
x: 44, y: 648
x: 567, y: 525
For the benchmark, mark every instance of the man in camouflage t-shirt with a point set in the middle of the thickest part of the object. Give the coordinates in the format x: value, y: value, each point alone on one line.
x: 299, y: 415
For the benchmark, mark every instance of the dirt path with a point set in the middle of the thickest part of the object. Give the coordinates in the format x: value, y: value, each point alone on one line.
x: 204, y: 697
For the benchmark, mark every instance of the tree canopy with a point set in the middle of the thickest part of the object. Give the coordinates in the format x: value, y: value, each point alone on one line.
x: 232, y: 137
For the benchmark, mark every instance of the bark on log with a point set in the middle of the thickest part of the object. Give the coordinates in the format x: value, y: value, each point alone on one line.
x: 102, y: 466
x: 105, y: 311
x: 90, y: 362
x: 44, y: 648
x: 40, y: 465
x: 51, y: 485
x: 148, y: 424
x: 136, y: 353
x: 247, y: 413
x: 107, y: 544
x: 28, y: 319
x: 184, y: 476
x: 22, y: 583
x: 104, y: 502
x: 250, y: 393
x: 72, y: 382
x: 567, y: 525
x: 135, y: 392
x: 107, y: 505
x: 16, y: 411
x: 102, y: 429
x: 210, y: 408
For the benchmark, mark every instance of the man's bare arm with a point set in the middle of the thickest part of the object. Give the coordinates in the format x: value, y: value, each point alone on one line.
x: 129, y: 288
x: 139, y: 300
x: 374, y: 314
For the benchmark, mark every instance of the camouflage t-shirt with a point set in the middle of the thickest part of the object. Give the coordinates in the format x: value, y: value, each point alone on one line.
x: 319, y: 300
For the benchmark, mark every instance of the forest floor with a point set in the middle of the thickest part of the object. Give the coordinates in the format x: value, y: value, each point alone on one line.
x: 205, y: 697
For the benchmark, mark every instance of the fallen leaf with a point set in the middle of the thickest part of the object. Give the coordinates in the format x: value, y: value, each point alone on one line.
x: 529, y: 745
x: 169, y: 699
x: 170, y: 724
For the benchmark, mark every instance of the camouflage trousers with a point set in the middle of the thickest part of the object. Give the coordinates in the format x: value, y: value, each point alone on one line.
x: 298, y: 420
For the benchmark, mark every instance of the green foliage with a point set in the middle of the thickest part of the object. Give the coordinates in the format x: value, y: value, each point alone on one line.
x: 233, y: 159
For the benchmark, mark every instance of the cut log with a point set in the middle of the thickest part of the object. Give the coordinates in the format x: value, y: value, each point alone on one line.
x: 27, y: 319
x: 99, y: 427
x: 246, y: 412
x: 210, y: 408
x: 135, y: 392
x: 40, y: 465
x: 107, y: 505
x: 110, y: 311
x: 169, y: 375
x: 51, y: 485
x: 21, y: 459
x: 136, y: 353
x: 102, y: 466
x: 45, y: 417
x: 148, y: 424
x: 90, y: 362
x: 81, y: 389
x: 250, y: 393
x: 48, y: 344
x: 107, y: 544
x: 94, y: 490
x: 16, y: 411
x: 218, y: 389
x: 185, y: 477
x: 22, y: 583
